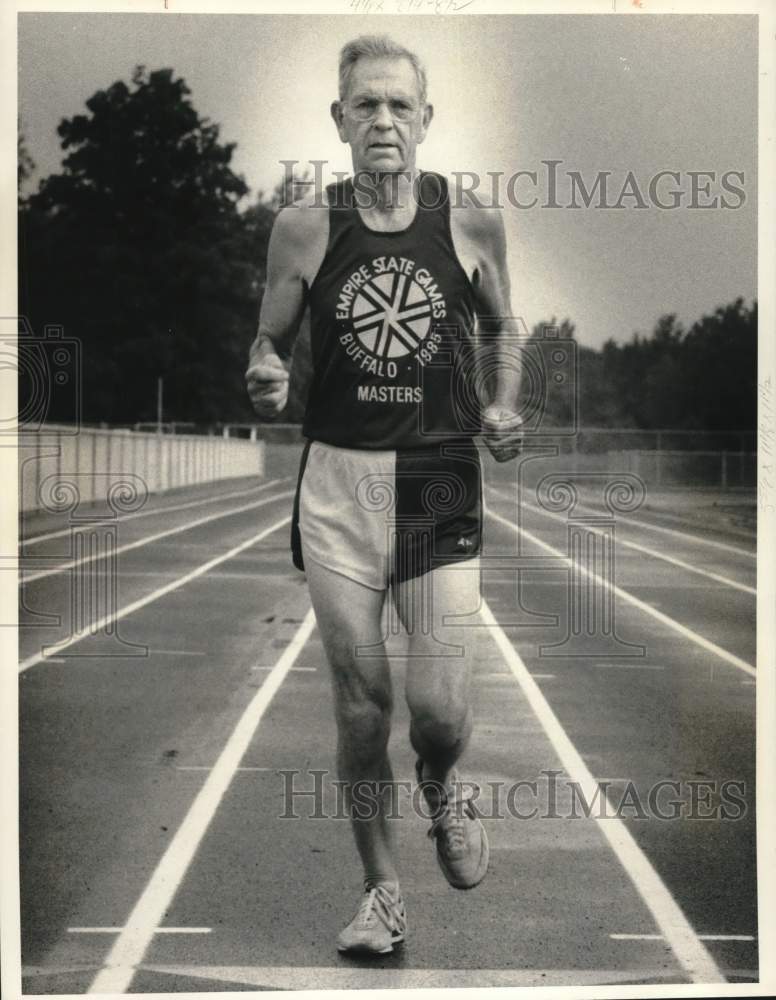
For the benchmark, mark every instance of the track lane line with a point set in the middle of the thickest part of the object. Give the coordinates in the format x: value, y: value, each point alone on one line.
x: 688, y: 950
x: 147, y: 539
x: 676, y: 626
x: 701, y: 937
x: 35, y: 539
x: 683, y: 534
x: 128, y: 609
x: 147, y: 915
x: 717, y: 577
x: 159, y: 930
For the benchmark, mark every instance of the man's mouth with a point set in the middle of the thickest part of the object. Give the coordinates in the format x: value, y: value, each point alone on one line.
x: 382, y: 145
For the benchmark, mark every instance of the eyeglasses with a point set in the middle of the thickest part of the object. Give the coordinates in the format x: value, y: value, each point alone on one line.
x: 364, y: 109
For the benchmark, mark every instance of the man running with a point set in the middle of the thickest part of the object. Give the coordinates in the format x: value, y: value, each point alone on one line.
x: 389, y: 492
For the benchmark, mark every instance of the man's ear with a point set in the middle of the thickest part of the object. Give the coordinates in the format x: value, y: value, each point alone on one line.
x: 425, y: 121
x: 339, y: 119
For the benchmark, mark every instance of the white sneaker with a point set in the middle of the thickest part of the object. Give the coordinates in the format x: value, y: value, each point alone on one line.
x: 461, y: 842
x: 379, y: 924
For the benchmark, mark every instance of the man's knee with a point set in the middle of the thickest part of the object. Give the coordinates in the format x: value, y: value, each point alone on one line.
x: 363, y: 705
x: 444, y: 723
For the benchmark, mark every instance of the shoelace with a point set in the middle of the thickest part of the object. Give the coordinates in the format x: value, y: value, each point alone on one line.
x: 379, y: 902
x: 450, y: 820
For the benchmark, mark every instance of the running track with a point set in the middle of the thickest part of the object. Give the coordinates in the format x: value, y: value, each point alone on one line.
x: 154, y: 858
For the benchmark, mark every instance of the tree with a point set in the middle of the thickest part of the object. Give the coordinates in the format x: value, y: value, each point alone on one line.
x: 701, y: 379
x: 719, y: 367
x: 138, y: 248
x: 25, y: 165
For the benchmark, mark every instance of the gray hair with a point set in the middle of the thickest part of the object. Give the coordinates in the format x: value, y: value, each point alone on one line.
x: 377, y: 47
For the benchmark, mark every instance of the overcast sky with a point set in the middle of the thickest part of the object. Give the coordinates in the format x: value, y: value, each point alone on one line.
x: 600, y: 93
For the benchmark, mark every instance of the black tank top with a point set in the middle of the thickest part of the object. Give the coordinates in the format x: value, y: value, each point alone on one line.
x: 391, y: 321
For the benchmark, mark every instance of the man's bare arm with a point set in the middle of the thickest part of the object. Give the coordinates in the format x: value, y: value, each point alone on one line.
x: 499, y: 329
x: 282, y: 307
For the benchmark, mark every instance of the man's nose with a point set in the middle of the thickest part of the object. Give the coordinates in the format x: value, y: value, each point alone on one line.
x: 383, y: 117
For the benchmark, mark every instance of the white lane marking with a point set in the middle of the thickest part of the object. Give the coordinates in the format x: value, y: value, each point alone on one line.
x: 147, y: 914
x: 691, y: 538
x: 296, y: 670
x: 61, y: 532
x: 505, y: 673
x: 147, y: 539
x: 727, y: 937
x: 671, y: 921
x: 701, y: 937
x: 128, y: 609
x: 717, y: 577
x: 628, y: 520
x: 688, y: 633
x: 209, y: 767
x: 159, y: 930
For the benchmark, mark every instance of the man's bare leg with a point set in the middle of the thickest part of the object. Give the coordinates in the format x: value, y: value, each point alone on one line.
x: 438, y: 686
x: 438, y: 691
x: 348, y: 616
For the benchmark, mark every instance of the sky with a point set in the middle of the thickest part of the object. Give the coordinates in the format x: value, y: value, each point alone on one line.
x: 596, y: 92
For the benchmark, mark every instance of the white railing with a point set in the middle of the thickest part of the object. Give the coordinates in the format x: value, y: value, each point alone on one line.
x: 94, y: 459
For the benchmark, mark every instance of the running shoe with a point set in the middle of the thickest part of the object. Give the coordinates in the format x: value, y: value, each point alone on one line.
x: 379, y: 924
x: 461, y: 842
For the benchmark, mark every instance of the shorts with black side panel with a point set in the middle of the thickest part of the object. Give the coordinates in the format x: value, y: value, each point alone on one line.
x: 385, y: 516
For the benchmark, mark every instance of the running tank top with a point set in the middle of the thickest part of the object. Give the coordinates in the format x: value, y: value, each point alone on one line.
x: 392, y: 326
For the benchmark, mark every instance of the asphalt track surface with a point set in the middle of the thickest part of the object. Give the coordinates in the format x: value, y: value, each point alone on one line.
x: 155, y: 853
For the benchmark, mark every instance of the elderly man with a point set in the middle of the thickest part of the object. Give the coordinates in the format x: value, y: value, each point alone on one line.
x: 389, y: 492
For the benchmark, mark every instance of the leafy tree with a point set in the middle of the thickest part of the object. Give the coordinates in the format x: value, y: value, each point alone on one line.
x: 719, y: 367
x: 25, y: 165
x: 701, y: 379
x: 138, y: 248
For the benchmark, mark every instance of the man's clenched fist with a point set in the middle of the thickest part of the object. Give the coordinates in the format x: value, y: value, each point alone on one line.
x: 267, y: 383
x: 502, y: 432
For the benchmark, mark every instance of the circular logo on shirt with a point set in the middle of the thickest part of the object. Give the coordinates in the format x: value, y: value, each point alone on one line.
x: 388, y: 308
x: 391, y: 315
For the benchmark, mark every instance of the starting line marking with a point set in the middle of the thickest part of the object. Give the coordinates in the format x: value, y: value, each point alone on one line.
x: 689, y: 951
x: 298, y: 977
x: 144, y: 920
x: 313, y: 978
